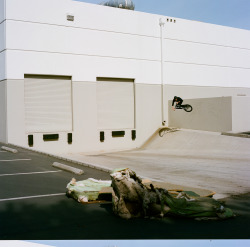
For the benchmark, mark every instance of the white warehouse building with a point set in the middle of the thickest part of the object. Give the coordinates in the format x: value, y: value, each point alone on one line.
x: 79, y: 77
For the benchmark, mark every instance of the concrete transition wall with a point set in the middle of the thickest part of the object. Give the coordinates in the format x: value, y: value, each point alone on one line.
x: 218, y: 114
x: 198, y: 92
x: 241, y: 114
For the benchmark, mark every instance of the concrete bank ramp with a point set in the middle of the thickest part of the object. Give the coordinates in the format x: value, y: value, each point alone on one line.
x: 199, y: 143
x: 189, y: 158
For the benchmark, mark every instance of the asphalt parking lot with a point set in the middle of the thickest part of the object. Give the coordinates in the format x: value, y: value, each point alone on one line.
x: 33, y: 205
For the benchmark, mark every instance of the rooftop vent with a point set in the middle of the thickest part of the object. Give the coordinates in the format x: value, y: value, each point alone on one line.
x: 122, y: 4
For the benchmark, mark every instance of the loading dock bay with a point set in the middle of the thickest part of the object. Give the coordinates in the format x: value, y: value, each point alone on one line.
x: 33, y: 205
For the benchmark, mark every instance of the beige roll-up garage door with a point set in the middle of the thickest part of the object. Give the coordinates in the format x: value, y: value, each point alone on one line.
x: 115, y: 103
x: 48, y: 103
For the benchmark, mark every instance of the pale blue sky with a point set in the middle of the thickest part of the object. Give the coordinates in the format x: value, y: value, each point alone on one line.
x: 233, y: 13
x: 146, y: 243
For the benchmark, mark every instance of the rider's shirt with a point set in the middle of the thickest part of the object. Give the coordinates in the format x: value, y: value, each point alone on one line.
x: 178, y: 101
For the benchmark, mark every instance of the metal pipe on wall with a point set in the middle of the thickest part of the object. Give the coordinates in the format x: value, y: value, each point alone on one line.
x: 161, y: 23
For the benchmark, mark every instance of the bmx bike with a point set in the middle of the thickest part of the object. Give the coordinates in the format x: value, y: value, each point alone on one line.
x: 186, y: 107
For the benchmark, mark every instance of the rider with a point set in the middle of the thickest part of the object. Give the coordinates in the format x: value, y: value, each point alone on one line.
x: 178, y: 102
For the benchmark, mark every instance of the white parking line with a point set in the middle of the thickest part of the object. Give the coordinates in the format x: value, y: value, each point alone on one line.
x: 14, y: 174
x: 13, y: 160
x: 3, y: 151
x: 29, y: 197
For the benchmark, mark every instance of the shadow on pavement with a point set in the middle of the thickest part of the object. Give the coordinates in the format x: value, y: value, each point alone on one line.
x: 63, y: 218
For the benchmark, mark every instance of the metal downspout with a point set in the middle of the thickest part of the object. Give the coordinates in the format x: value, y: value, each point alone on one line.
x: 161, y: 23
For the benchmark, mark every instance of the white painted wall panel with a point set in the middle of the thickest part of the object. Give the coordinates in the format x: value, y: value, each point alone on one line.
x: 196, y: 53
x: 3, y: 110
x: 2, y: 10
x: 2, y: 65
x: 200, y: 75
x: 118, y: 20
x: 94, y: 16
x: 51, y: 38
x: 207, y: 33
x: 48, y: 11
x: 15, y: 112
x: 82, y: 68
x: 2, y: 36
x: 87, y: 15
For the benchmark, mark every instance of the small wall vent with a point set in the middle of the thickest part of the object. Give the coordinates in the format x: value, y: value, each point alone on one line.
x: 69, y: 138
x: 102, y: 136
x: 51, y: 137
x: 30, y: 140
x: 119, y: 133
x: 70, y: 17
x: 133, y: 134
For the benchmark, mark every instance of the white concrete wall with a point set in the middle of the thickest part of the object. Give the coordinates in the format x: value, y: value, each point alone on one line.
x: 2, y: 37
x: 2, y: 65
x: 90, y: 16
x: 110, y: 42
x: 205, y: 54
x: 3, y: 126
x: 3, y: 107
x: 2, y: 50
x: 79, y: 41
x: 148, y: 111
x: 102, y: 41
x: 241, y: 114
x: 15, y: 112
x: 86, y: 135
x: 81, y: 68
x: 202, y: 54
x: 2, y: 10
x: 206, y: 33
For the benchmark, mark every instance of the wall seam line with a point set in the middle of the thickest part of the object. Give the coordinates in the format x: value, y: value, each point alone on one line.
x: 133, y: 34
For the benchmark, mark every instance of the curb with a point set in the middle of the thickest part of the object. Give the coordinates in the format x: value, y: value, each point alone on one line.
x: 9, y: 149
x: 97, y: 167
x: 68, y: 168
x: 235, y: 134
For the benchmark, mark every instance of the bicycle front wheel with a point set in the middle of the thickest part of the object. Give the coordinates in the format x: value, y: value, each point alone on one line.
x: 188, y: 108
